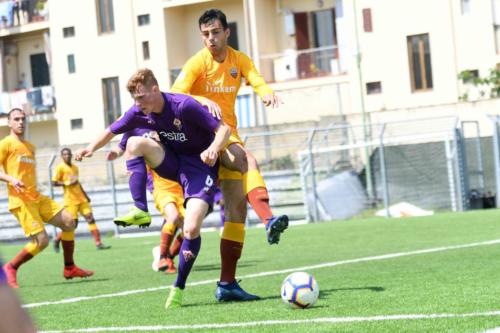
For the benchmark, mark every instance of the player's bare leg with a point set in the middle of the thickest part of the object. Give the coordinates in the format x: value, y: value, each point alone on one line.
x: 236, y: 157
x: 65, y: 221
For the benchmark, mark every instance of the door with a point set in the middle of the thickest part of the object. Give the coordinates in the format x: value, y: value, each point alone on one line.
x: 39, y: 70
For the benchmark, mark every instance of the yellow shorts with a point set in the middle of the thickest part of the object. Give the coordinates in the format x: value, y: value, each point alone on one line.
x: 164, y: 197
x: 34, y: 214
x: 225, y: 173
x: 83, y: 208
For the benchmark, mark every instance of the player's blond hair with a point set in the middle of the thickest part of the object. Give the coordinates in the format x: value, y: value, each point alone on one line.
x: 143, y: 76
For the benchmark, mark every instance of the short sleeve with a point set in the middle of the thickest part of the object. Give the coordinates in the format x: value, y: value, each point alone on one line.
x: 4, y: 150
x: 58, y: 174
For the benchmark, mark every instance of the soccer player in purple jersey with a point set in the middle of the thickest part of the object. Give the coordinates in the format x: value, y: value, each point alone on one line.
x: 192, y: 140
x: 14, y: 318
x: 168, y: 196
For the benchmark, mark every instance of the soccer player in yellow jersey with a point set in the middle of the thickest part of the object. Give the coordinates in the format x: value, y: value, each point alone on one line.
x: 75, y: 199
x: 169, y: 200
x: 215, y: 74
x: 32, y: 209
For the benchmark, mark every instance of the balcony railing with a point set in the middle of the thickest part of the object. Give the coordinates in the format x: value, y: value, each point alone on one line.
x: 300, y: 64
x: 18, y: 13
x: 33, y: 100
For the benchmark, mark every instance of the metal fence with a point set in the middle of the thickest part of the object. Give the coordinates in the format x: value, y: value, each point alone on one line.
x: 318, y: 173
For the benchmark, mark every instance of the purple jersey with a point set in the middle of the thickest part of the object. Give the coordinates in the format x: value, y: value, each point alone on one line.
x: 184, y: 125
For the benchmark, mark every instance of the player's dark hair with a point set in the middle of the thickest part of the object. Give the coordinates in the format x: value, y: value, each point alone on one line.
x: 213, y: 14
x: 14, y: 110
x: 143, y: 76
x: 65, y: 149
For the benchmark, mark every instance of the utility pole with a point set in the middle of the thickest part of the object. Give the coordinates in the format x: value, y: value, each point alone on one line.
x: 368, y: 169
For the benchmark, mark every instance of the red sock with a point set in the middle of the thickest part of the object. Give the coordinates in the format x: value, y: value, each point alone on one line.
x: 165, y: 242
x: 259, y: 200
x: 68, y: 249
x: 95, y: 232
x: 22, y: 257
x: 230, y: 253
x: 176, y: 247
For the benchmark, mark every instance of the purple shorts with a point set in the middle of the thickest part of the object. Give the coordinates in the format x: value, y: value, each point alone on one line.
x: 169, y: 167
x: 197, y: 179
x: 218, y: 195
x: 3, y: 278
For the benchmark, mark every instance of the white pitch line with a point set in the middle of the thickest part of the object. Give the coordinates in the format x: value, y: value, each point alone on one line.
x: 327, y: 320
x: 283, y: 271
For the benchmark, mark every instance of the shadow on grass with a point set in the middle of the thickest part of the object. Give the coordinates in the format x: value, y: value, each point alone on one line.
x: 324, y: 293
x: 216, y: 267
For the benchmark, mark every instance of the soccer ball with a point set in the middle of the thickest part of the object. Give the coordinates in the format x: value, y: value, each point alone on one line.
x: 300, y: 290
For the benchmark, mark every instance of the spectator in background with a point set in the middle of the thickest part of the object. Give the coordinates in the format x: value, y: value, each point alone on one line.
x: 4, y: 13
x: 15, y: 6
x: 27, y: 11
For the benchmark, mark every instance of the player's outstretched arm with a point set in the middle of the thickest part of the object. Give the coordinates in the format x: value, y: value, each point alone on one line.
x: 209, y: 156
x: 98, y: 143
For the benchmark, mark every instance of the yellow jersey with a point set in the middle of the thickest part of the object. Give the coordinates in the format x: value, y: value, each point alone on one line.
x: 18, y: 160
x: 220, y: 82
x: 66, y: 174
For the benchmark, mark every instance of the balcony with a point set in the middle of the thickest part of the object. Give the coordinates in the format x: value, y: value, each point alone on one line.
x: 27, y: 16
x: 38, y: 103
x: 300, y: 64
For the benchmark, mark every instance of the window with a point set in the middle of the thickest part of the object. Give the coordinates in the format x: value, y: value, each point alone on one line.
x: 69, y: 32
x: 367, y: 20
x: 315, y: 30
x: 143, y: 19
x: 76, y: 123
x: 419, y: 54
x: 106, y: 22
x: 233, y: 36
x: 373, y: 88
x: 71, y: 63
x: 145, y: 50
x: 111, y: 99
x: 465, y: 6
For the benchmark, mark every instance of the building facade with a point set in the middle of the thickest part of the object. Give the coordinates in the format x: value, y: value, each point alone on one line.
x: 356, y: 61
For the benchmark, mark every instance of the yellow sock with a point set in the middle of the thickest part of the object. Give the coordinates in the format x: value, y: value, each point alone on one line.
x: 68, y: 235
x: 234, y: 232
x: 32, y: 248
x: 168, y: 228
x: 252, y: 180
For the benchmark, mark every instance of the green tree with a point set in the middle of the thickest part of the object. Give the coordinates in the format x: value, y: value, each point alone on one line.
x: 488, y: 85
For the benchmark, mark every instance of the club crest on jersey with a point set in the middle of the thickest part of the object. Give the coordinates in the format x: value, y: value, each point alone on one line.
x: 234, y: 72
x: 177, y: 123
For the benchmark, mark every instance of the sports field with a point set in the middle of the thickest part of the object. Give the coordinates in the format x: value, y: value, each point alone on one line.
x: 432, y: 274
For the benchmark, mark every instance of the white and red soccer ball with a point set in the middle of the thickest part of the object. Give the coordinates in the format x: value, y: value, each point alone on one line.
x: 300, y: 290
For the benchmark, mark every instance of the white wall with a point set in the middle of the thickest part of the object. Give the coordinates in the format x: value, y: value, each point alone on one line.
x: 98, y: 56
